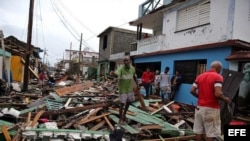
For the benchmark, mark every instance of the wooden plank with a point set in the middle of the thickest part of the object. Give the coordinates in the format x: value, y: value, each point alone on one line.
x: 171, y: 102
x: 94, y: 118
x: 74, y: 88
x: 34, y: 73
x: 36, y: 118
x: 150, y: 127
x: 109, y: 124
x: 140, y: 98
x: 97, y: 126
x: 91, y: 113
x: 6, y: 133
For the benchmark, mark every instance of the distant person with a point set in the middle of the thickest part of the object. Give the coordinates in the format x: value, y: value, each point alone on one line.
x: 126, y: 82
x: 147, y: 80
x: 207, y: 87
x: 157, y: 83
x: 42, y: 78
x: 146, y: 36
x: 165, y: 85
x: 175, y: 83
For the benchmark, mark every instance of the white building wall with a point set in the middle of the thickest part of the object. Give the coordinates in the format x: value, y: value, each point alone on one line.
x: 218, y: 30
x: 242, y: 20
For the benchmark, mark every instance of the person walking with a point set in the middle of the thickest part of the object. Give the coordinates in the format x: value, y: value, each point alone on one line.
x: 146, y: 81
x: 207, y: 87
x: 126, y: 82
x: 165, y: 84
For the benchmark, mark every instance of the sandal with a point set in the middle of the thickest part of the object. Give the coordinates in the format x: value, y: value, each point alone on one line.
x: 122, y: 122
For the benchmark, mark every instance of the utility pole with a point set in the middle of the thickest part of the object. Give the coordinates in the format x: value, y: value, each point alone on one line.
x: 80, y: 55
x: 44, y: 53
x: 70, y: 62
x: 28, y: 48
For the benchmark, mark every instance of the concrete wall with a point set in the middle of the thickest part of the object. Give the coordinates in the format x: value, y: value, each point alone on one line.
x: 224, y: 24
x: 241, y: 23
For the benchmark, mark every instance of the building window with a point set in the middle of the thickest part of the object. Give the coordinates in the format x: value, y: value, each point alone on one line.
x: 193, y: 16
x: 189, y: 69
x: 105, y: 42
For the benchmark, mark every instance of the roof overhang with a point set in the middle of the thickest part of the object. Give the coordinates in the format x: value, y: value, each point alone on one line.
x: 242, y: 55
x: 236, y: 44
x: 149, y: 21
x: 19, y: 48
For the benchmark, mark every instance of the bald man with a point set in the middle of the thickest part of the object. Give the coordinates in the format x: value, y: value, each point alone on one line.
x: 208, y: 89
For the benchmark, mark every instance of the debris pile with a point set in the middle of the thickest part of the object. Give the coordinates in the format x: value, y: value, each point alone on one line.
x: 90, y: 111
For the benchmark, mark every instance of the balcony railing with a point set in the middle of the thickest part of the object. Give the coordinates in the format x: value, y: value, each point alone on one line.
x: 151, y: 44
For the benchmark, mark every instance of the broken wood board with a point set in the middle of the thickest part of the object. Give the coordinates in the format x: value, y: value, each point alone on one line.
x: 97, y: 126
x: 74, y: 110
x: 6, y: 133
x: 109, y: 124
x: 93, y: 118
x: 74, y: 88
x: 140, y: 98
x: 171, y: 102
x: 33, y: 72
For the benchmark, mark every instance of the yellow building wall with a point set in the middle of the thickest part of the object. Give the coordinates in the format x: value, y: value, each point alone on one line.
x: 17, y: 68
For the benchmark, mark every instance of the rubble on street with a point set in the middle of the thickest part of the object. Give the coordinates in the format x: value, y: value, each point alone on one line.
x: 88, y: 110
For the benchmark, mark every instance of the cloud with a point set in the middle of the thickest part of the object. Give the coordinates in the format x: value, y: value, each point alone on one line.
x: 89, y: 17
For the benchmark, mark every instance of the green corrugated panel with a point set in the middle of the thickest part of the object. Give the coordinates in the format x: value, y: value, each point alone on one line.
x: 167, y: 128
x: 125, y: 126
x: 134, y: 118
x: 8, y: 124
x: 31, y: 109
x: 58, y: 98
x: 53, y: 105
x: 137, y: 103
x: 67, y: 131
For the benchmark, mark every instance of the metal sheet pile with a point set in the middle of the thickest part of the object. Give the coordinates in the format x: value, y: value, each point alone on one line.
x: 88, y: 110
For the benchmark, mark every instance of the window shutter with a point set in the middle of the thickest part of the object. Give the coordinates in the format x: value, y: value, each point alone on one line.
x: 193, y: 16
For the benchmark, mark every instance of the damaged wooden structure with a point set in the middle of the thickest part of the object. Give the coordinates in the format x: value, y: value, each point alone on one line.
x: 89, y: 111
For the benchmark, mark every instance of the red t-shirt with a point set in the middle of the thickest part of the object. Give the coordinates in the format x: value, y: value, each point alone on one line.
x: 205, y: 84
x: 42, y: 76
x: 147, y: 77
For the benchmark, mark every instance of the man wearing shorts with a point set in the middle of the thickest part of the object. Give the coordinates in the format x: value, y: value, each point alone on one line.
x: 208, y: 89
x: 127, y: 80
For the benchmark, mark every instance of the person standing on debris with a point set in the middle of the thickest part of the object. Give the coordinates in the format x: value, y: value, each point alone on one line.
x: 207, y: 87
x: 146, y: 81
x: 165, y: 84
x: 126, y: 82
x: 175, y: 83
x: 42, y: 78
x: 157, y: 83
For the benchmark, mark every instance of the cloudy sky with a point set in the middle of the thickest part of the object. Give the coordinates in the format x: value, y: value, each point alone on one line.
x: 58, y: 23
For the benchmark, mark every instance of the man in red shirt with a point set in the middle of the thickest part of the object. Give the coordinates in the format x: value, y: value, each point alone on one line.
x: 146, y: 81
x: 208, y: 89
